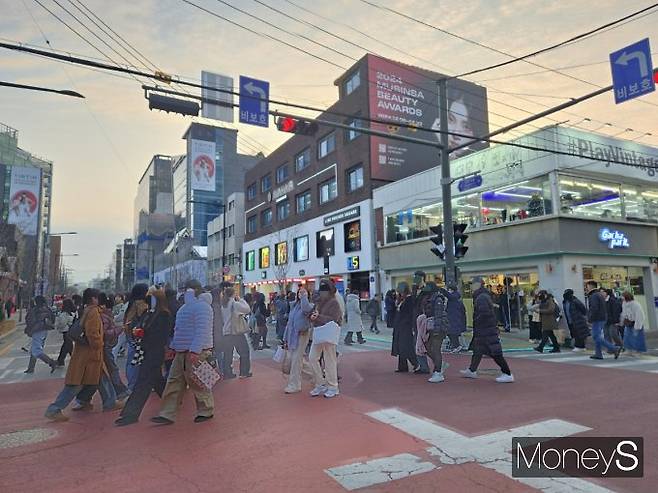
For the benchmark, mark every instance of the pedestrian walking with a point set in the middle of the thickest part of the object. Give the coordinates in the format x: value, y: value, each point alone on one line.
x: 326, y: 319
x: 597, y: 315
x: 119, y: 312
x: 423, y: 322
x: 296, y: 338
x: 63, y: 323
x: 232, y: 313
x: 132, y: 319
x: 9, y: 308
x: 576, y: 315
x: 390, y: 307
x: 38, y: 321
x: 535, y: 319
x: 548, y: 313
x: 373, y: 308
x: 456, y: 312
x: 403, y: 344
x: 86, y: 367
x: 192, y: 343
x: 632, y: 318
x: 613, y: 307
x: 261, y: 313
x: 157, y: 327
x: 282, y: 308
x: 486, y: 340
x: 438, y: 330
x: 354, y: 321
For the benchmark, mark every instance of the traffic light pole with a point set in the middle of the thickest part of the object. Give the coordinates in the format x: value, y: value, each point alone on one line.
x: 446, y: 184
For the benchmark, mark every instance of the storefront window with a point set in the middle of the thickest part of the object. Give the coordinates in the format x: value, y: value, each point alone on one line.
x: 641, y: 203
x: 466, y: 209
x: 588, y: 198
x: 412, y: 223
x: 523, y: 200
x: 352, y: 233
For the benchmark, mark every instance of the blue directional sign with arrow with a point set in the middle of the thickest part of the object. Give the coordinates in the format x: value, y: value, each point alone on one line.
x: 632, y: 71
x: 254, y: 101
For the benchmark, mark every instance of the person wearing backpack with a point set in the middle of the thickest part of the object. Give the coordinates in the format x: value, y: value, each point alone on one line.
x: 438, y: 330
x: 86, y: 367
x: 63, y: 323
x: 38, y: 321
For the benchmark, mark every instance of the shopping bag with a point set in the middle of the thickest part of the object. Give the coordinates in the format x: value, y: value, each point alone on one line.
x: 205, y: 375
x: 287, y: 362
x: 279, y: 355
x: 329, y: 332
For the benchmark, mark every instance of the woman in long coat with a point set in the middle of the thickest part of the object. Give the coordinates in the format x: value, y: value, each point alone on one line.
x: 403, y: 330
x: 389, y: 307
x: 86, y: 367
x: 456, y: 316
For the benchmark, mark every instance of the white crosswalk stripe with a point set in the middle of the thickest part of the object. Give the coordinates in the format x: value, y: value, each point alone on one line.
x: 643, y: 363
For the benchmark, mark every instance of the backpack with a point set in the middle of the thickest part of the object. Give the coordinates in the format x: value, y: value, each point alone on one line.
x: 439, y: 312
x: 77, y: 333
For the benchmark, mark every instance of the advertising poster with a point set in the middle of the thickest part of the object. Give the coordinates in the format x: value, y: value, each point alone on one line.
x: 281, y: 253
x: 24, y: 199
x: 202, y: 165
x: 400, y: 93
x: 352, y: 236
x: 264, y: 261
x: 301, y: 249
x: 251, y: 260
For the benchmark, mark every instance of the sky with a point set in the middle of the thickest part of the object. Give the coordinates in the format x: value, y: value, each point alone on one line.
x: 101, y: 145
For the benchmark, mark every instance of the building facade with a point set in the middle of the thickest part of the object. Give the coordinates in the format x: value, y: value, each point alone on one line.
x: 312, y: 197
x: 225, y: 240
x: 128, y: 265
x: 537, y: 220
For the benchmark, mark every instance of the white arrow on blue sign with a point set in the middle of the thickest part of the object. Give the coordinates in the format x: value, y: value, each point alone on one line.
x: 254, y: 101
x: 632, y: 71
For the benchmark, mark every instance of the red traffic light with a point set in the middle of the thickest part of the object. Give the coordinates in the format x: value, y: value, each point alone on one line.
x: 296, y: 126
x: 287, y: 124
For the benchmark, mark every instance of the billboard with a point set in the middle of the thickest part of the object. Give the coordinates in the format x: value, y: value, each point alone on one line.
x: 403, y: 94
x: 214, y: 111
x: 24, y: 194
x: 202, y: 165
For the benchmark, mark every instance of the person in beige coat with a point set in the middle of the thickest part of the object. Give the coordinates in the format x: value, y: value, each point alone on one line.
x: 86, y: 367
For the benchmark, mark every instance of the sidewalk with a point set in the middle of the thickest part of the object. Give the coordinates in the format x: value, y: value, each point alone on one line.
x: 7, y: 327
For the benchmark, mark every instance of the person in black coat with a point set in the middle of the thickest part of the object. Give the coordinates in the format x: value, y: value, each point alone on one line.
x: 389, y: 306
x: 576, y: 314
x: 157, y: 327
x: 403, y: 345
x: 613, y: 307
x: 486, y: 340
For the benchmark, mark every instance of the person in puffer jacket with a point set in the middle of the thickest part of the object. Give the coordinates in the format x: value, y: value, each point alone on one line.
x: 486, y: 340
x: 193, y: 344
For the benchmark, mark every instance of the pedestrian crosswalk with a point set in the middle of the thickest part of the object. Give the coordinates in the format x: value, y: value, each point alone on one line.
x: 643, y: 363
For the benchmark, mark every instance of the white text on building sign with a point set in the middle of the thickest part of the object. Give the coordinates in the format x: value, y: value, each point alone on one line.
x: 343, y: 215
x: 614, y: 239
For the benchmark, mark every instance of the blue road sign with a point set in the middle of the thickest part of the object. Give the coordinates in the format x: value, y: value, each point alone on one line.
x: 254, y: 101
x: 632, y: 71
x: 469, y: 183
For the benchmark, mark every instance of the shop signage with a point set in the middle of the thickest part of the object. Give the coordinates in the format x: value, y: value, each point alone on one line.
x: 352, y: 263
x: 614, y: 238
x: 284, y: 189
x: 470, y: 183
x: 302, y: 272
x: 344, y: 215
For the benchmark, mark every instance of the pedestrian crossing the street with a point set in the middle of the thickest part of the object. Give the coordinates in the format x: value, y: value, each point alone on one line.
x: 643, y: 363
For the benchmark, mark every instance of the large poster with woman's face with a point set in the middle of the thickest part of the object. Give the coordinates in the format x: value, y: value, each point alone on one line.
x: 24, y: 199
x: 202, y: 165
x: 404, y: 94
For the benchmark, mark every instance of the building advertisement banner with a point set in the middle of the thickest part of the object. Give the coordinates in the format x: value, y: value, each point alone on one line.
x: 403, y: 94
x: 202, y: 165
x: 24, y: 194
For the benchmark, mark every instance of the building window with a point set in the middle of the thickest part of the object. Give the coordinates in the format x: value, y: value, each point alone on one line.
x: 282, y: 173
x: 266, y: 217
x: 328, y: 191
x: 589, y: 198
x: 326, y: 145
x: 523, y: 200
x: 352, y: 133
x: 303, y: 201
x: 352, y: 83
x: 281, y: 253
x: 264, y: 257
x: 354, y: 178
x: 250, y: 260
x: 231, y: 231
x: 303, y: 160
x: 231, y: 205
x: 641, y: 203
x: 282, y: 210
x: 251, y: 192
x: 251, y: 224
x: 352, y: 236
x: 300, y: 253
x: 324, y: 241
x: 266, y: 183
x: 231, y: 259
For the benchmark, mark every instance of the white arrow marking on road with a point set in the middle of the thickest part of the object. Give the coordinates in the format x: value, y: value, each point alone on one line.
x: 251, y: 89
x: 641, y: 60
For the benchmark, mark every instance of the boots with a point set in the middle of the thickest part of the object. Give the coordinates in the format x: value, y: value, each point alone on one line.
x: 359, y: 337
x: 49, y: 361
x: 348, y: 338
x: 31, y: 365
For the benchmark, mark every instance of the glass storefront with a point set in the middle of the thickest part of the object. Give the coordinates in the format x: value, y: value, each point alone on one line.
x: 619, y: 279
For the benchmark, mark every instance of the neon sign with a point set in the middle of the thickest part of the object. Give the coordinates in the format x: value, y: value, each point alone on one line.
x: 614, y: 239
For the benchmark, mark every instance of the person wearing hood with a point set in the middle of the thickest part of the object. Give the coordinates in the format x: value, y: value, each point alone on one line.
x: 486, y: 340
x: 155, y: 335
x: 38, y: 321
x: 192, y: 343
x: 354, y: 322
x: 403, y: 343
x: 597, y: 314
x: 576, y: 314
x: 135, y: 311
x: 296, y: 337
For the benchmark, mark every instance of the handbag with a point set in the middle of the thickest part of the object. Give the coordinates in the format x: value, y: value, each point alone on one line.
x: 329, y: 332
x: 287, y: 362
x: 205, y: 375
x: 279, y: 354
x: 240, y: 325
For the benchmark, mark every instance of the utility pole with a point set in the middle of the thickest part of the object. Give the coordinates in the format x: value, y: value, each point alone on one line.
x: 446, y: 184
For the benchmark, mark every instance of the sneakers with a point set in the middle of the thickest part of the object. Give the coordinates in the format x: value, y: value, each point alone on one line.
x: 467, y: 373
x: 577, y: 349
x: 161, y: 420
x: 617, y: 352
x: 201, y: 419
x: 595, y: 357
x: 320, y: 389
x: 436, y: 377
x: 362, y: 341
x: 331, y: 393
x: 555, y: 350
x: 505, y: 378
x: 57, y: 417
x: 83, y: 406
x: 538, y: 349
x: 289, y: 390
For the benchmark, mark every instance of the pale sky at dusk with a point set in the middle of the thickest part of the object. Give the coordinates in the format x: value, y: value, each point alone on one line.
x: 102, y: 145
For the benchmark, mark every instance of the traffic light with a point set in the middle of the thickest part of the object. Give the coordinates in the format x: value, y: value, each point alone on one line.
x: 175, y: 105
x: 296, y: 126
x: 439, y: 248
x: 460, y: 239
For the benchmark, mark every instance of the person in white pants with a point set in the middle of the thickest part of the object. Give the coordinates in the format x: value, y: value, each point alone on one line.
x: 296, y: 337
x: 326, y: 319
